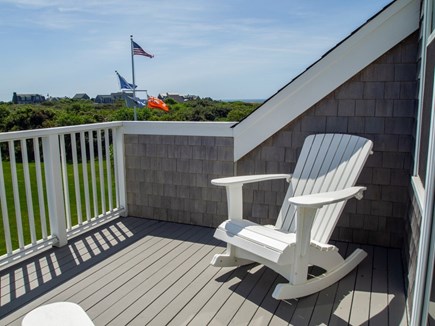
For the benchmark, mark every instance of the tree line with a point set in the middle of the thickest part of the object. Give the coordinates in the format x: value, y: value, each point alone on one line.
x: 67, y: 112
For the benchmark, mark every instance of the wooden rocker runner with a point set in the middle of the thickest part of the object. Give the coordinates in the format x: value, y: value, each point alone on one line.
x: 324, y: 178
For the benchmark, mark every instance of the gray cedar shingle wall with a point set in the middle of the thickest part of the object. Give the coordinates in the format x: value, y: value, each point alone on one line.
x: 168, y: 177
x: 378, y: 103
x: 410, y: 247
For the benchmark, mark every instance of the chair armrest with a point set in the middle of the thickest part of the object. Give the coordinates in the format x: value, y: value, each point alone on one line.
x: 240, y: 180
x: 307, y: 207
x: 326, y: 198
x: 233, y: 187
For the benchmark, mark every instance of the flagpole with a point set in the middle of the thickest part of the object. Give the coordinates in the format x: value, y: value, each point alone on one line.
x: 132, y: 73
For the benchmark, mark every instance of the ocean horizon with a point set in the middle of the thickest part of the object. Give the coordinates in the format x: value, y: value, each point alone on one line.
x: 248, y: 100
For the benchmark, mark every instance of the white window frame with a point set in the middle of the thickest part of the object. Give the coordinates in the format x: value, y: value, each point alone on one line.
x: 427, y: 38
x: 426, y: 194
x: 426, y: 252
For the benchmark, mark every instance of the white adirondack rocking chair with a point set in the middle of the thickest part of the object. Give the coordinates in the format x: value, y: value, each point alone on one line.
x: 323, y: 181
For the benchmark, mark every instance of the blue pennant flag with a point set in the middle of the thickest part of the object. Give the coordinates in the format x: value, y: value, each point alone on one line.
x: 138, y: 101
x: 124, y: 84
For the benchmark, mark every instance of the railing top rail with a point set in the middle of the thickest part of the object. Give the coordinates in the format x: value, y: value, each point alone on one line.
x: 26, y: 134
x: 137, y: 127
x: 179, y: 128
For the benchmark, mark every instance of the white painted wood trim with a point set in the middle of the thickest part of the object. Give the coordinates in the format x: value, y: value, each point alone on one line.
x: 419, y: 192
x: 4, y: 209
x: 101, y: 172
x: 375, y: 38
x: 85, y: 175
x: 40, y: 187
x: 248, y: 179
x: 16, y: 194
x: 56, y: 182
x: 289, y: 291
x: 175, y: 128
x: 53, y: 181
x: 76, y: 178
x: 28, y: 188
x: 326, y: 198
x: 26, y: 134
x: 422, y: 77
x: 426, y: 253
x: 108, y: 170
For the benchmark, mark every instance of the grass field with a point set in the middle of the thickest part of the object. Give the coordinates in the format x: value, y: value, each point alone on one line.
x: 36, y: 206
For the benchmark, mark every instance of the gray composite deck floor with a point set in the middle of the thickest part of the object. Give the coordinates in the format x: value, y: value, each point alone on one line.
x: 138, y: 272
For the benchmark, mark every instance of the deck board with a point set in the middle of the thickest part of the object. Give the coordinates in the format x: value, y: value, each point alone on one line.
x: 379, y: 293
x: 214, y: 304
x: 237, y: 298
x: 188, y: 293
x: 255, y: 298
x: 268, y: 307
x: 144, y: 272
x: 396, y: 288
x: 360, y: 309
x: 190, y: 310
x: 28, y: 276
x: 181, y: 265
x: 342, y: 307
x: 151, y: 275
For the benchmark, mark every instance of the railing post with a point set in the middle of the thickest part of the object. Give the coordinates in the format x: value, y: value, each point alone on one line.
x: 53, y: 179
x: 120, y: 167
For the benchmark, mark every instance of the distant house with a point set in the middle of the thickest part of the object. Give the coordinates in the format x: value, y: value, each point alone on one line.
x: 104, y: 99
x: 177, y: 97
x: 119, y: 96
x: 55, y: 99
x: 81, y: 96
x: 108, y: 99
x: 27, y: 98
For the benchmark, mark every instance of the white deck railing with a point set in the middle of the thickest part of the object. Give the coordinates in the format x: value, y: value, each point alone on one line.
x: 58, y: 182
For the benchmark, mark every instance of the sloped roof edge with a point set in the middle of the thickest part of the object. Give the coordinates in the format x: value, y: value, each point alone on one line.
x: 378, y: 35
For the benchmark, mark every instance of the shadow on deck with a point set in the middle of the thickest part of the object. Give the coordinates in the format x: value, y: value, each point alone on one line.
x: 142, y: 271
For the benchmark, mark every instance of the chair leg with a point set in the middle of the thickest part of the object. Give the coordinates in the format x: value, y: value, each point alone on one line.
x: 326, y: 260
x: 229, y: 259
x: 290, y: 291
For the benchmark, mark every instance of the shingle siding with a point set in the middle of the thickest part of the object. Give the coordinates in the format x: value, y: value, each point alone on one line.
x: 412, y: 228
x: 378, y: 103
x: 168, y: 178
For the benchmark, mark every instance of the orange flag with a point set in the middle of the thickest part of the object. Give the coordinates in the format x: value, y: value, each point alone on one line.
x: 155, y: 103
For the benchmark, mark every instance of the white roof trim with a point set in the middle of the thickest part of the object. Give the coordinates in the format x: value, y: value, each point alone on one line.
x: 373, y: 39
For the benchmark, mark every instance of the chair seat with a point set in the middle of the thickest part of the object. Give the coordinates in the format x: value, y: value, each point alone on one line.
x: 58, y: 313
x: 265, y: 241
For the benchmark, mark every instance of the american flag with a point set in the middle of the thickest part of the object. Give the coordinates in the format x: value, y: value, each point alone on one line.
x: 137, y: 50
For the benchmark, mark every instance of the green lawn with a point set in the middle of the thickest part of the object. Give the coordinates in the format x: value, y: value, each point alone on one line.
x: 36, y: 208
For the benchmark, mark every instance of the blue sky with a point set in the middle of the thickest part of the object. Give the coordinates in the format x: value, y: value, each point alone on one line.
x: 226, y: 49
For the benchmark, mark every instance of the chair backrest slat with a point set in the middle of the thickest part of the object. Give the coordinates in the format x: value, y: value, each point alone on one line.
x: 327, y: 162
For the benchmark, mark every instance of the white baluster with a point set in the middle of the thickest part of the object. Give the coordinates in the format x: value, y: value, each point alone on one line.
x: 118, y: 147
x: 100, y: 166
x: 108, y: 169
x: 76, y: 178
x: 40, y: 186
x: 4, y: 205
x: 93, y: 176
x: 16, y: 193
x: 65, y: 182
x: 85, y: 175
x: 28, y: 188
